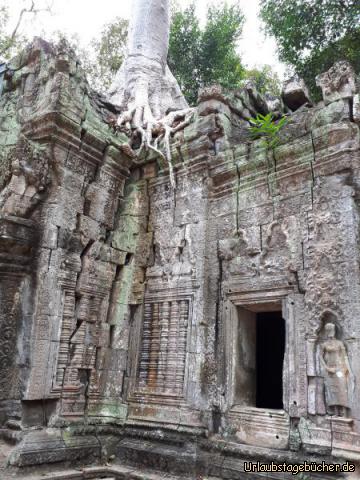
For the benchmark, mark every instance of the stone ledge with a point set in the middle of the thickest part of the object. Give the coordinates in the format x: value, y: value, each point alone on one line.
x: 40, y: 447
x: 96, y: 473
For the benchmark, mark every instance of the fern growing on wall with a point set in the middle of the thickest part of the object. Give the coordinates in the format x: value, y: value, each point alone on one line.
x: 267, y: 129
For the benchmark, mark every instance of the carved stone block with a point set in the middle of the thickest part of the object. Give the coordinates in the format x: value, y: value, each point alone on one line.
x: 338, y: 82
x: 295, y: 93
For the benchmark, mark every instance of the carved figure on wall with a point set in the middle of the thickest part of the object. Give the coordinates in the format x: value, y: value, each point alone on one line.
x: 276, y: 255
x: 174, y: 255
x: 27, y: 180
x: 336, y: 372
x: 238, y: 256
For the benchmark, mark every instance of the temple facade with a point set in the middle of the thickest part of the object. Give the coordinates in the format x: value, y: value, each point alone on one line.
x: 194, y: 329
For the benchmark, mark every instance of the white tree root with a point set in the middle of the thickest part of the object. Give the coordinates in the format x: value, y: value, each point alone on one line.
x: 151, y: 131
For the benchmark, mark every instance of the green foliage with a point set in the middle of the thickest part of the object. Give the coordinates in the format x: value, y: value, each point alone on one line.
x: 4, y: 18
x: 109, y: 53
x: 265, y: 80
x: 12, y: 43
x: 203, y: 56
x: 9, y: 44
x: 104, y: 57
x: 264, y: 127
x: 184, y: 51
x: 313, y: 34
x: 220, y: 61
x: 197, y: 56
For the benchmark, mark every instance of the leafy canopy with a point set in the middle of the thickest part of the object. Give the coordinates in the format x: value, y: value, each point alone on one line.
x: 200, y: 56
x: 265, y: 80
x: 108, y: 52
x: 184, y: 50
x: 11, y: 42
x: 313, y: 34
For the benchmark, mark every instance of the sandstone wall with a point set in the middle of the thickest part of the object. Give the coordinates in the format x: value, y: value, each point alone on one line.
x: 123, y: 299
x: 63, y: 175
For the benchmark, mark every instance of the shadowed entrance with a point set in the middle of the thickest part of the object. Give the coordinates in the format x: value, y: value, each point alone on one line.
x: 270, y: 348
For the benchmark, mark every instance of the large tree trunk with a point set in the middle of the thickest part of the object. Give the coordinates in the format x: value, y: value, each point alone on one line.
x: 144, y: 87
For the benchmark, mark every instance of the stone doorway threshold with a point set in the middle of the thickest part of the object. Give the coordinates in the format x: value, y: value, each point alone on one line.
x: 100, y: 473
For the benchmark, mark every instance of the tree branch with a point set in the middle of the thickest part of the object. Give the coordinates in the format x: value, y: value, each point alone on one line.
x: 33, y: 10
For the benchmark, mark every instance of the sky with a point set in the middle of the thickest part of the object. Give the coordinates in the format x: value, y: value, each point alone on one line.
x: 86, y: 18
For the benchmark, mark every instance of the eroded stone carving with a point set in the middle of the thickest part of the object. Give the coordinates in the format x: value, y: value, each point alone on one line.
x: 336, y: 372
x: 338, y: 82
x: 28, y: 179
x: 173, y: 255
x: 276, y: 254
x: 237, y: 256
x: 9, y: 383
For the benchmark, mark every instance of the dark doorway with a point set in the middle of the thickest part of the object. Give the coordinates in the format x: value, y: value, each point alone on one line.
x: 270, y: 348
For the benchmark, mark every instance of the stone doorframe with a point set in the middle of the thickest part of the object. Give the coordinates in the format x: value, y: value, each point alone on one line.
x: 257, y: 426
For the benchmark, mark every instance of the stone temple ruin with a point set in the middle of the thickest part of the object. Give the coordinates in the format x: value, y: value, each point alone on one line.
x: 189, y: 330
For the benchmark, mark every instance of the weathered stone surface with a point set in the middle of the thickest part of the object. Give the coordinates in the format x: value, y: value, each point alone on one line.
x: 356, y: 108
x: 129, y: 309
x: 338, y: 82
x: 295, y: 93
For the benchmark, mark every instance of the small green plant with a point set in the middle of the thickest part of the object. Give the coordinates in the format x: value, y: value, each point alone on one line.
x: 266, y: 128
